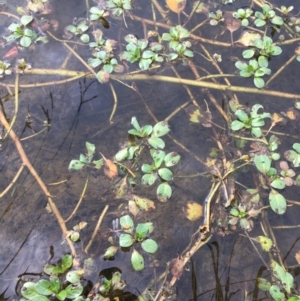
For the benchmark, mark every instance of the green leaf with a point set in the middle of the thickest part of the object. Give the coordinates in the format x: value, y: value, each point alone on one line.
x: 248, y: 54
x: 73, y: 292
x: 242, y: 116
x: 135, y: 124
x: 188, y: 53
x: 294, y: 298
x: 158, y: 157
x: 137, y: 260
x: 44, y: 287
x: 160, y: 129
x: 259, y: 82
x: 287, y: 282
x: 75, y: 165
x: 277, y: 202
x: 126, y: 223
x: 28, y: 290
x: 146, y: 168
x: 90, y: 148
x: 48, y: 269
x: 39, y: 298
x: 256, y: 131
x: 98, y: 163
x: 262, y: 163
x: 263, y: 61
x: 296, y: 147
x: 259, y: 22
x: 265, y: 242
x: 25, y: 20
x: 25, y: 41
x: 241, y: 65
x: 144, y: 64
x: 171, y: 159
x: 149, y: 179
x: 110, y: 252
x: 141, y: 231
x: 263, y: 284
x: 275, y: 156
x: 149, y: 245
x: 156, y: 142
x: 85, y: 38
x: 166, y: 174
x: 278, y: 183
x: 164, y: 192
x: 73, y: 277
x: 276, y: 294
x: 126, y: 240
x: 277, y: 20
x: 146, y: 130
x: 66, y: 262
x: 121, y: 154
x: 237, y: 125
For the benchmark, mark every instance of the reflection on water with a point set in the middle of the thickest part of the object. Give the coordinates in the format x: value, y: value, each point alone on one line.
x: 226, y: 268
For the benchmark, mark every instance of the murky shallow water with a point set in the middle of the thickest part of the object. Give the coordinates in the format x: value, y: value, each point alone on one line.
x: 79, y: 112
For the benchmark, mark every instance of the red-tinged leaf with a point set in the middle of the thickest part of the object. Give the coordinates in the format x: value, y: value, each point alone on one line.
x: 12, y: 53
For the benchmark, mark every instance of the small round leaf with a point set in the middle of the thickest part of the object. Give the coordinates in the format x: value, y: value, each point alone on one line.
x: 126, y: 240
x: 149, y: 245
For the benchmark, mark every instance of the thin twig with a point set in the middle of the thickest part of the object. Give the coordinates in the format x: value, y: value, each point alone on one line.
x: 16, y: 85
x: 96, y: 229
x: 14, y: 180
x: 113, y: 91
x: 81, y: 197
x: 32, y: 170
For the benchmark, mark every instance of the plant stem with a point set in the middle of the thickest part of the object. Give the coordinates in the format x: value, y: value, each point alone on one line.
x: 168, y: 79
x: 32, y: 170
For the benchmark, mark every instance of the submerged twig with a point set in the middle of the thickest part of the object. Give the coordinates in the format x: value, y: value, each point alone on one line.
x: 96, y: 228
x: 13, y: 181
x: 13, y: 120
x: 80, y: 199
x: 42, y: 185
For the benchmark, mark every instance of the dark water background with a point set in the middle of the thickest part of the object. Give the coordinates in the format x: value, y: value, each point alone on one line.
x: 79, y: 112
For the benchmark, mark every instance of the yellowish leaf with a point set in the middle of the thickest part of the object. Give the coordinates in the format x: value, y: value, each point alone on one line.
x: 144, y: 203
x: 276, y: 118
x: 265, y: 242
x: 193, y: 211
x: 176, y: 6
x: 133, y: 208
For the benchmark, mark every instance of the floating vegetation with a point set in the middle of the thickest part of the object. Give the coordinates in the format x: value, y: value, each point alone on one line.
x: 250, y: 169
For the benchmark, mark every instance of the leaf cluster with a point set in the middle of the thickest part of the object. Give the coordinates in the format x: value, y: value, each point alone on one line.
x: 43, y: 288
x: 252, y: 122
x: 132, y: 235
x: 20, y: 31
x: 141, y: 51
x: 176, y: 37
x: 87, y: 159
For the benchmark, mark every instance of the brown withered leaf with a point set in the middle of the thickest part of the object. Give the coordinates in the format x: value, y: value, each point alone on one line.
x: 176, y: 267
x: 110, y: 168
